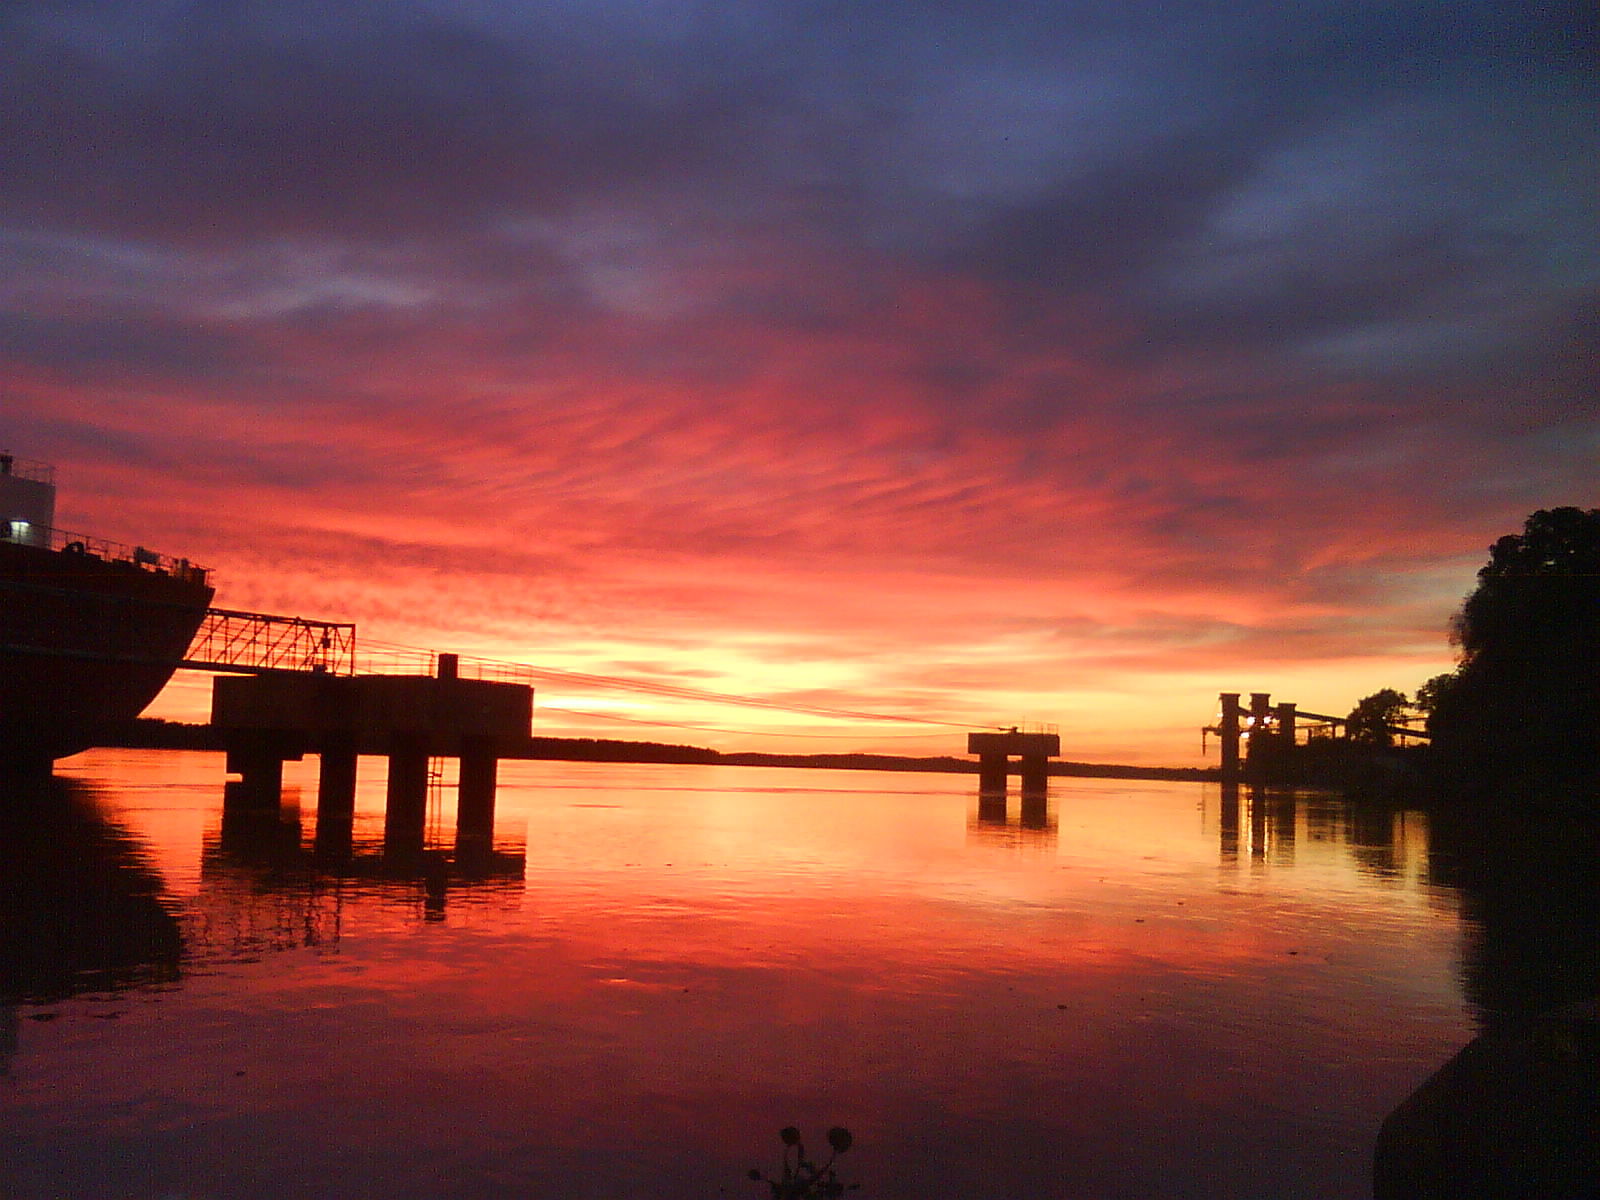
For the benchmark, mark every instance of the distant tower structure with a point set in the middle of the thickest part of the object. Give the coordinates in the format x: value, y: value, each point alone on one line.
x: 27, y: 501
x: 1230, y: 722
x: 1257, y: 742
x: 1260, y: 734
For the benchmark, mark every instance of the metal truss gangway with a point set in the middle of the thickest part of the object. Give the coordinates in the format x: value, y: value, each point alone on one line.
x: 250, y: 643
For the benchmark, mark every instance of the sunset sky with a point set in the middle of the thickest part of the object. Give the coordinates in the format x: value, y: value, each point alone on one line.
x: 1061, y: 362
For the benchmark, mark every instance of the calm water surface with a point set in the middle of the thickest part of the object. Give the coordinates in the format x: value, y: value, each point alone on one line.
x: 1140, y: 991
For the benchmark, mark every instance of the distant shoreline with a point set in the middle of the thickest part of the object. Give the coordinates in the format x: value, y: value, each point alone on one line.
x: 148, y: 733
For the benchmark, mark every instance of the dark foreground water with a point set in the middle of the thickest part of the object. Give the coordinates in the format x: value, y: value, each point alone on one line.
x: 1143, y: 990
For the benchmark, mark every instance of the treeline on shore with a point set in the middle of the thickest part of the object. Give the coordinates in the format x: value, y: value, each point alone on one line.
x: 149, y: 733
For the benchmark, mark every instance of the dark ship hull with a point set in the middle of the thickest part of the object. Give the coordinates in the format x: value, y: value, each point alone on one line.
x: 87, y: 640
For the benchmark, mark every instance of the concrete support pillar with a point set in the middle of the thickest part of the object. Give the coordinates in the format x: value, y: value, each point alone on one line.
x: 992, y: 772
x: 336, y: 778
x: 475, y: 798
x: 336, y: 797
x: 1258, y: 742
x: 1286, y: 726
x: 406, y: 804
x: 1228, y: 725
x: 992, y: 807
x: 1035, y: 775
x: 259, y: 765
x: 335, y: 840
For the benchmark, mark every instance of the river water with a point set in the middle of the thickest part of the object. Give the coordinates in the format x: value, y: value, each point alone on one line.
x: 1136, y: 989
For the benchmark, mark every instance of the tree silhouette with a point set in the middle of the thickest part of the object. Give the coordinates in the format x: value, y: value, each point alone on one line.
x: 1369, y: 721
x: 1523, y: 707
x: 1430, y: 691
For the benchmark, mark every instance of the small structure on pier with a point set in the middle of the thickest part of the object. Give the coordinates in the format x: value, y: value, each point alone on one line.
x: 267, y: 719
x: 995, y: 750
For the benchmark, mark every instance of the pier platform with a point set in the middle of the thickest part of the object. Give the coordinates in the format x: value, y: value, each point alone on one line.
x: 266, y: 720
x: 995, y: 751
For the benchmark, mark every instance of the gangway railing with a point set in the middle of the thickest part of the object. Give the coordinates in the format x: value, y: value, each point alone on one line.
x: 254, y: 643
x: 258, y: 643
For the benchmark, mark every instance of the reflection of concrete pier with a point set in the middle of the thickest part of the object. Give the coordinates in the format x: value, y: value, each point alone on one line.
x: 1035, y: 825
x: 269, y: 718
x: 261, y: 880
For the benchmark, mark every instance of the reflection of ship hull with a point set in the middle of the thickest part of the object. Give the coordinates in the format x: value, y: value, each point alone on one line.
x: 85, y: 642
x: 79, y: 909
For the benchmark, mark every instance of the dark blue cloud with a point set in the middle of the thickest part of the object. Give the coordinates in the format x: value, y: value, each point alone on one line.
x: 1397, y: 197
x: 128, y: 343
x: 212, y: 123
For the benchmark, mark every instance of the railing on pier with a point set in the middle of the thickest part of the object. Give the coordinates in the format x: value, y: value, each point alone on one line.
x: 1029, y: 727
x: 382, y: 658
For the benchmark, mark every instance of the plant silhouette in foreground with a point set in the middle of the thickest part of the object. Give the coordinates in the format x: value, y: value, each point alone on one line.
x: 802, y: 1177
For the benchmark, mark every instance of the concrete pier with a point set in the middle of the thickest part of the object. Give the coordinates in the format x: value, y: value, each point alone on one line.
x: 1287, y: 715
x: 995, y: 751
x: 268, y: 718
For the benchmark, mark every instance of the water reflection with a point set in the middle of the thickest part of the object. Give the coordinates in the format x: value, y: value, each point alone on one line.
x: 80, y: 905
x: 1530, y: 888
x: 674, y: 963
x: 1273, y: 826
x: 1528, y: 881
x: 280, y: 892
x: 84, y: 907
x: 1035, y: 825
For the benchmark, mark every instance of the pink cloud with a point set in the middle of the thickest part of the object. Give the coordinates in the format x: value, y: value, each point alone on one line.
x: 887, y: 479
